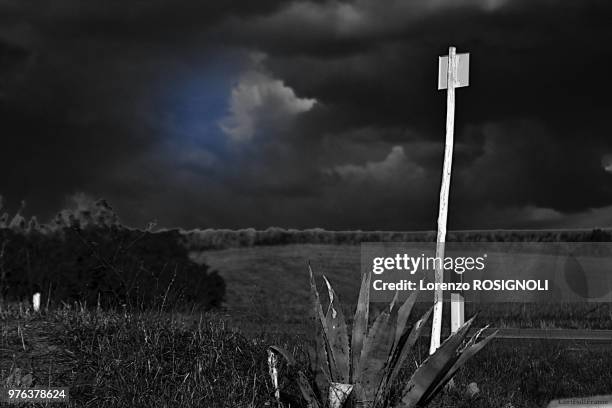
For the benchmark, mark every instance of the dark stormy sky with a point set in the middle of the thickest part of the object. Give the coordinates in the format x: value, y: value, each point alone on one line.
x: 307, y: 114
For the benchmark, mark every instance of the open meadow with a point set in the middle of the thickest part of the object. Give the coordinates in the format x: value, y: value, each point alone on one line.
x: 268, y: 286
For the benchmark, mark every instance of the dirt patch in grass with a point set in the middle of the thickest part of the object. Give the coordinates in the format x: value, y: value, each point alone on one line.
x: 36, y: 345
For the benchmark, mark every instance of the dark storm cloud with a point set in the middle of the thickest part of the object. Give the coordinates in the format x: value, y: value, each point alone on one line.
x: 536, y: 64
x: 115, y: 19
x: 537, y: 59
x: 524, y: 165
x: 302, y: 114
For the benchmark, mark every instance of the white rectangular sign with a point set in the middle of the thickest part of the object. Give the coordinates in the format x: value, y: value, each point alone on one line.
x: 463, y: 71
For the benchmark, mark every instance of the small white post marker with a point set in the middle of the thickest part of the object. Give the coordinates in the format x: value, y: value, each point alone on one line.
x: 36, y: 301
x: 453, y: 72
x: 457, y: 311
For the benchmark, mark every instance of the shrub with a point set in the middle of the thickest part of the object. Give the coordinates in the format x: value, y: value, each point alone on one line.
x: 110, y: 265
x: 84, y: 254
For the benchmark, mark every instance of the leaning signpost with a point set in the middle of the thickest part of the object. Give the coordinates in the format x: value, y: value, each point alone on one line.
x: 453, y: 72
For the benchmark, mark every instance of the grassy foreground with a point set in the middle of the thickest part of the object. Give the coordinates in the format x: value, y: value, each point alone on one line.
x: 119, y: 359
x: 111, y: 359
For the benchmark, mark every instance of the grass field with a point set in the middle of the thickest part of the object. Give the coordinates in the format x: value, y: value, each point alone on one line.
x: 150, y: 359
x: 268, y: 285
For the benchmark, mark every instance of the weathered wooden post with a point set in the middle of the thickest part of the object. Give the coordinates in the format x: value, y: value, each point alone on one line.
x: 453, y: 72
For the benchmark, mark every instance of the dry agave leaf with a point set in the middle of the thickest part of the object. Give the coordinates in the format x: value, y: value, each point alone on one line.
x: 273, y: 371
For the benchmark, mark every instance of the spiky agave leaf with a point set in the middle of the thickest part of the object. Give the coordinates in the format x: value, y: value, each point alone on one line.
x: 407, y: 341
x: 403, y: 314
x: 401, y: 352
x: 360, y: 324
x: 324, y: 366
x: 433, y: 370
x: 337, y: 334
x: 402, y: 311
x: 375, y: 355
x: 307, y: 391
x: 465, y: 354
x: 319, y: 367
x: 394, y: 303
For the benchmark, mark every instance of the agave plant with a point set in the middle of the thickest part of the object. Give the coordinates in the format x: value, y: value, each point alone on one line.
x: 360, y: 370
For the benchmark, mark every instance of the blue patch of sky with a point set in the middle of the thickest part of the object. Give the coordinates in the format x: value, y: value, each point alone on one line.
x: 198, y: 99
